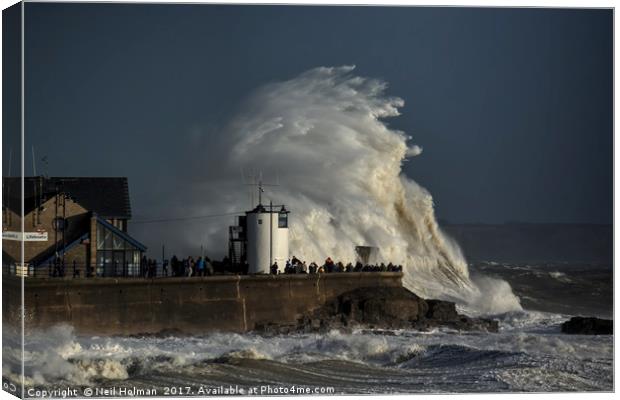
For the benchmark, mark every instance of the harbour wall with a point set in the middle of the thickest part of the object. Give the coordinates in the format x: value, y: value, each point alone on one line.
x: 194, y: 305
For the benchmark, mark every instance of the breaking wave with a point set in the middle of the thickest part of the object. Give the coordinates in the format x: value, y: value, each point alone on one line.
x: 322, y: 136
x: 529, y: 344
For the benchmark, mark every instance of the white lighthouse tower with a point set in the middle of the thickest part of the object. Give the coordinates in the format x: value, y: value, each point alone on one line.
x: 267, y: 236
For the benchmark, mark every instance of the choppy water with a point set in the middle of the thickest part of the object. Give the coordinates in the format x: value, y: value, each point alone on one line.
x: 528, y: 354
x: 568, y: 288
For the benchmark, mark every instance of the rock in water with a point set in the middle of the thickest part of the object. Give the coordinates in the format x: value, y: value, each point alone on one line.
x: 588, y: 326
x: 441, y: 310
x: 383, y: 306
x: 389, y: 308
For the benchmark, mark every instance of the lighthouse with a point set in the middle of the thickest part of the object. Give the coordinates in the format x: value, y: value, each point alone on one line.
x: 267, y: 237
x: 261, y: 237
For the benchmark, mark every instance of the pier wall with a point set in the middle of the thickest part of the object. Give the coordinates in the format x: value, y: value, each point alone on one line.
x: 109, y: 306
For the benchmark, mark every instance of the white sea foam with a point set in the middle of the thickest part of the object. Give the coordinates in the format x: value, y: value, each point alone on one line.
x: 322, y: 135
x: 59, y: 356
x: 560, y: 276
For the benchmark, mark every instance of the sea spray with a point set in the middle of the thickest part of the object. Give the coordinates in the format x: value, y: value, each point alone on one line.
x: 322, y: 137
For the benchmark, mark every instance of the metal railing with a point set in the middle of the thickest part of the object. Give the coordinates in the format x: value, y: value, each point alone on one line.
x: 78, y: 270
x: 146, y: 271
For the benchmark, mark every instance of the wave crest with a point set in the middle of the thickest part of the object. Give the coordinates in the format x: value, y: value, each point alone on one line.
x: 323, y: 135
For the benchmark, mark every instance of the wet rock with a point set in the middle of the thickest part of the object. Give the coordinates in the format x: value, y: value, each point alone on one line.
x: 389, y: 308
x: 384, y: 306
x: 588, y: 326
x: 441, y: 310
x: 274, y: 328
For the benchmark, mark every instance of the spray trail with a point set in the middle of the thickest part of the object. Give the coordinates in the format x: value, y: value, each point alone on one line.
x: 339, y: 166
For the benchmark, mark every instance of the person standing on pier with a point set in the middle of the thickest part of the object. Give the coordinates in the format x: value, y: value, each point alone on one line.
x: 200, y: 267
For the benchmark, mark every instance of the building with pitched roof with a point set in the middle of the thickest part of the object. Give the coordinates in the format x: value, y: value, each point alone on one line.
x: 76, y: 221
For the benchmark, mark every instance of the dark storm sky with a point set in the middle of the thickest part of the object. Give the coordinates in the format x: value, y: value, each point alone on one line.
x: 513, y: 107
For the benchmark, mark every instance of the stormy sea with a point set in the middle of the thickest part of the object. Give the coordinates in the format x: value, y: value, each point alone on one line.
x: 528, y: 354
x: 353, y: 192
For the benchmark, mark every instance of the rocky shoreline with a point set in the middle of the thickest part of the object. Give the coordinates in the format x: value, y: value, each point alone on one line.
x: 382, y: 308
x: 588, y: 326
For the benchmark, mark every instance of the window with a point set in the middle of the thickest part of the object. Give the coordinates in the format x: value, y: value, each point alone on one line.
x: 118, y: 243
x: 100, y: 236
x: 115, y: 255
x: 283, y: 220
x: 107, y: 239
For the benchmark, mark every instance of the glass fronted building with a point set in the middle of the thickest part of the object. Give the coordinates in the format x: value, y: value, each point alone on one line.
x: 118, y: 254
x: 70, y: 226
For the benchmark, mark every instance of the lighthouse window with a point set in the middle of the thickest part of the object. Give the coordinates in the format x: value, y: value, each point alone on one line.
x: 283, y: 220
x: 260, y: 221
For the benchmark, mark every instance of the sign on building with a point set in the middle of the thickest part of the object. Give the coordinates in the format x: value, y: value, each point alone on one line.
x: 22, y: 269
x: 27, y: 237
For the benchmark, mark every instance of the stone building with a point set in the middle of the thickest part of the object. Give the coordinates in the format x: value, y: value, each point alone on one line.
x: 79, y: 222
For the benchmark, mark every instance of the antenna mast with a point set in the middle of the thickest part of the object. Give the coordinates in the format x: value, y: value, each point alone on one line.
x: 261, y: 188
x: 260, y: 191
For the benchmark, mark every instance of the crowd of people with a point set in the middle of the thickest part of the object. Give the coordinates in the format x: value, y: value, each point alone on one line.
x: 200, y: 266
x: 296, y: 266
x: 148, y: 267
x: 203, y: 266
